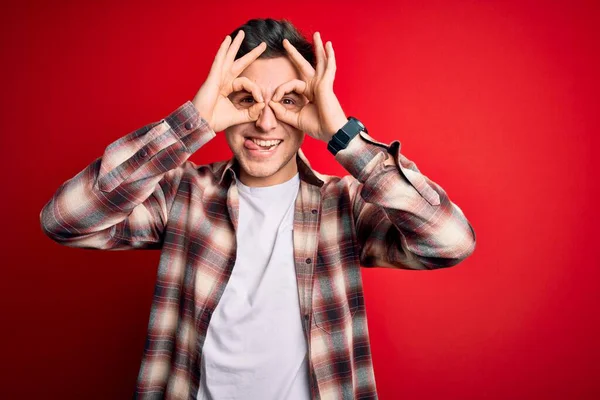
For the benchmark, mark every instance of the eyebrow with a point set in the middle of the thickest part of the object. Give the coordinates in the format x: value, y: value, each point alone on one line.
x: 293, y: 93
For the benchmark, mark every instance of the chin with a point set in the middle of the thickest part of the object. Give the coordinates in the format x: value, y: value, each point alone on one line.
x: 262, y: 168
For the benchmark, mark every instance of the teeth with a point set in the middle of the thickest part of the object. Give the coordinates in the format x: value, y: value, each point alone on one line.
x: 266, y: 143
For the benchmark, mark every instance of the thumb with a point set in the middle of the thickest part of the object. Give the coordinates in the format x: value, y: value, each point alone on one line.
x: 254, y: 111
x: 283, y: 114
x: 249, y: 114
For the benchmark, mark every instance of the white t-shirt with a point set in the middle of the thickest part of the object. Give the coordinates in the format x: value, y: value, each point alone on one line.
x: 255, y: 346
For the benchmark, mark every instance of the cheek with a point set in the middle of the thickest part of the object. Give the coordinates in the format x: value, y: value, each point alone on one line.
x: 299, y: 137
x: 294, y: 134
x: 233, y: 135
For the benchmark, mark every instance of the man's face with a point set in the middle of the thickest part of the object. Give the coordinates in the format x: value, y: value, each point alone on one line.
x: 266, y: 165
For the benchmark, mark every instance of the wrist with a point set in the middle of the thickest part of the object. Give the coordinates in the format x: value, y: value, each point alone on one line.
x: 337, y: 125
x: 203, y: 116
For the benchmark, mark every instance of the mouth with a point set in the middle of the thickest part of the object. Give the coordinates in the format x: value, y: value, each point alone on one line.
x: 261, y: 148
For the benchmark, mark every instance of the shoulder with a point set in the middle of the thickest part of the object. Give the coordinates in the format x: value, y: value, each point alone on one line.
x: 339, y: 187
x: 203, y: 175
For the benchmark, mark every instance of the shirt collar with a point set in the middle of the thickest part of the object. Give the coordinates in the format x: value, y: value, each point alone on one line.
x: 305, y: 171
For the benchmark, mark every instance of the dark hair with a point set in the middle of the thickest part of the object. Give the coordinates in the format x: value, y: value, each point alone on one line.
x: 272, y: 32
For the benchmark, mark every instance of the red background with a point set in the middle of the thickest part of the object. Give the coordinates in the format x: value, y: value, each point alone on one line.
x: 495, y: 101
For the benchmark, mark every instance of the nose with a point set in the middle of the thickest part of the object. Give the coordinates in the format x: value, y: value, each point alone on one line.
x: 266, y: 121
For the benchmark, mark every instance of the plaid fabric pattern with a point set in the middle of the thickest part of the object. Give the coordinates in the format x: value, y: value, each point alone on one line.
x: 143, y: 193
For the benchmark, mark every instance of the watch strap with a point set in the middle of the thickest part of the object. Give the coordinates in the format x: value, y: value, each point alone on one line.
x: 345, y: 134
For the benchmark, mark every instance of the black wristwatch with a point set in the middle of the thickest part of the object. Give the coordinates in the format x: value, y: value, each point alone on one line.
x: 340, y: 140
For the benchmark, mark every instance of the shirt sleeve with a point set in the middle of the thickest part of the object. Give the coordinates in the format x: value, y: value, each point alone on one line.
x: 122, y: 199
x: 402, y: 218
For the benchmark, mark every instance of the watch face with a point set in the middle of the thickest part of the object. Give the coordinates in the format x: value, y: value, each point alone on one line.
x: 360, y: 124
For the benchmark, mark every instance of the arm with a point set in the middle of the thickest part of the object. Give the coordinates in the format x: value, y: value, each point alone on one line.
x: 122, y: 199
x: 402, y: 218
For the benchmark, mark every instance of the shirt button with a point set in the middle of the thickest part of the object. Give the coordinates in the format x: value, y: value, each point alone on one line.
x: 314, y: 211
x: 189, y: 125
x: 143, y: 153
x: 308, y: 260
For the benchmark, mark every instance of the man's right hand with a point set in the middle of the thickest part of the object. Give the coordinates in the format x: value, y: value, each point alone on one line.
x: 212, y: 101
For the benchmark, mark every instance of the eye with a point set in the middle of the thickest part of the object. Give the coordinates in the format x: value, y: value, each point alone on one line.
x: 288, y: 101
x: 247, y: 100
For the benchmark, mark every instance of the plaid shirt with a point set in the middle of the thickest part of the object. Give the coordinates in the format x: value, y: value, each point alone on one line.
x: 143, y: 193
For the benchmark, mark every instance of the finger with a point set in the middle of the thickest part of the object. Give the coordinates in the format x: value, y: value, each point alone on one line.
x: 252, y: 113
x: 247, y: 115
x: 283, y: 114
x: 243, y: 83
x: 241, y: 63
x: 331, y: 65
x: 233, y: 49
x: 320, y: 53
x: 299, y: 61
x: 220, y: 57
x: 295, y: 85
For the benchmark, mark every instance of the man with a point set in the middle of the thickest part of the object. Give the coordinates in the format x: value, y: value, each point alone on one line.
x: 259, y: 292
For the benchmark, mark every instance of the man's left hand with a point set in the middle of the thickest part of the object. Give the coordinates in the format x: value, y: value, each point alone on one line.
x: 322, y: 116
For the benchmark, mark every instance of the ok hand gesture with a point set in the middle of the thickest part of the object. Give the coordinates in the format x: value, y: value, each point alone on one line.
x: 322, y: 116
x: 212, y: 101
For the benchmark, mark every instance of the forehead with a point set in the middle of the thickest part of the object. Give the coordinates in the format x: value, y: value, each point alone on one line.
x: 269, y: 73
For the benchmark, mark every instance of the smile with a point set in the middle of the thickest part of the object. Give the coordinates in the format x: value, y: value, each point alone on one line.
x: 267, y: 144
x: 261, y: 147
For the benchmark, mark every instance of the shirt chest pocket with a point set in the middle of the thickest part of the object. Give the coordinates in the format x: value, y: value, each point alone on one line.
x: 337, y: 295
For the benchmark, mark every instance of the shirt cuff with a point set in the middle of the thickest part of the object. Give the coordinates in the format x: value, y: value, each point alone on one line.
x: 186, y: 121
x: 357, y: 156
x: 364, y: 154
